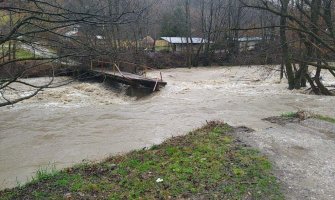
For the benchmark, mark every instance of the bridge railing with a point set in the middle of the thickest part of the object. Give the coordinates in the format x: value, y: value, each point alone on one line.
x: 107, y: 65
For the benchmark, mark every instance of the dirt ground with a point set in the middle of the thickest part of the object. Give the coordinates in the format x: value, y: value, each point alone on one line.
x: 303, y: 156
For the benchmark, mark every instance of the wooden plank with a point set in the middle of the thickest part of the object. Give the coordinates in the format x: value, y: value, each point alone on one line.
x: 130, y: 79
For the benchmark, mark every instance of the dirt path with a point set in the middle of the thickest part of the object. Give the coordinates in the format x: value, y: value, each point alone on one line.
x: 303, y: 155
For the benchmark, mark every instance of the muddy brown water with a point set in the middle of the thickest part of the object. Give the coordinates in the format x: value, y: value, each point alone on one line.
x: 86, y: 121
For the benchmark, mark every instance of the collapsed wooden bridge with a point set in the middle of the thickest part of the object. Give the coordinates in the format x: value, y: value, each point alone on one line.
x: 115, y: 74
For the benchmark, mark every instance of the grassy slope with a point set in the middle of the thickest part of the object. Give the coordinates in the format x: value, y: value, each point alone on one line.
x: 325, y: 118
x: 308, y: 115
x: 206, y: 163
x: 21, y: 53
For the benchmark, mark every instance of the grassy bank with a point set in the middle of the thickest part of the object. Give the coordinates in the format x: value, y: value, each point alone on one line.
x: 22, y: 54
x: 208, y: 163
x: 304, y: 115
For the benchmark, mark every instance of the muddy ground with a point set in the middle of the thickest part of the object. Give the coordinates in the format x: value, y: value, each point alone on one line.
x: 302, y: 152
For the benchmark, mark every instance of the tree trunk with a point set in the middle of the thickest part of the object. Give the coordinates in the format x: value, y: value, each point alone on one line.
x: 315, y: 16
x: 189, y: 49
x: 284, y: 45
x: 314, y: 88
x: 318, y: 82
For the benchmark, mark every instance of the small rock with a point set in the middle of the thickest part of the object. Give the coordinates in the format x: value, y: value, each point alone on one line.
x: 112, y: 166
x: 81, y: 194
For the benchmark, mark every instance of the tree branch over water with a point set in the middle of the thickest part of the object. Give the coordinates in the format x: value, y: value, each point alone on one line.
x: 42, y: 36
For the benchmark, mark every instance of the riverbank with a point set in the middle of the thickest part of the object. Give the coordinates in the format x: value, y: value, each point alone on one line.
x: 206, y: 163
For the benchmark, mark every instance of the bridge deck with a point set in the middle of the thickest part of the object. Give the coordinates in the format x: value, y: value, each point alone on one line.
x: 130, y: 79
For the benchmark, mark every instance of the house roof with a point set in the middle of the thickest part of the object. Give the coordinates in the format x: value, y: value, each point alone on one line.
x: 245, y: 39
x: 71, y: 33
x: 184, y: 40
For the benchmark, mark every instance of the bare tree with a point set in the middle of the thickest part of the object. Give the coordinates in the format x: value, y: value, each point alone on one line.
x: 308, y: 25
x: 54, y: 34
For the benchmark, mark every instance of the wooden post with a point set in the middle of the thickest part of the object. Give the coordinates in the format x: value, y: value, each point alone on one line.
x: 155, y: 85
x: 161, y: 76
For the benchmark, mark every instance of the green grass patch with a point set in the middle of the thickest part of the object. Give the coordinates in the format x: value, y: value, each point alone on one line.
x: 289, y: 114
x: 4, y: 18
x: 325, y: 118
x: 22, y: 54
x: 207, y: 163
x: 45, y: 173
x: 305, y: 115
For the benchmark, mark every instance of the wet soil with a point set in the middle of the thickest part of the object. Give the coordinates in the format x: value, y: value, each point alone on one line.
x: 302, y: 153
x: 282, y: 120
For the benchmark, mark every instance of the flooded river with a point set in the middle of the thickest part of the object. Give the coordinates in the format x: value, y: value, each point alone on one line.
x: 89, y: 121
